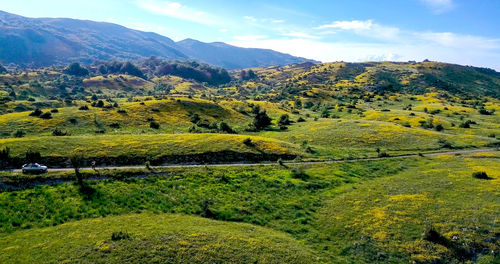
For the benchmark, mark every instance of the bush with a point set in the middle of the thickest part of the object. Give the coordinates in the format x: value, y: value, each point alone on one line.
x: 445, y: 144
x: 224, y: 127
x: 114, y: 125
x: 54, y: 110
x: 32, y: 156
x: 439, y: 127
x: 261, y: 120
x: 73, y: 120
x: 248, y: 142
x: 46, y: 115
x: 119, y: 236
x: 83, y: 107
x: 37, y: 112
x: 195, y: 118
x: 19, y: 133
x: 301, y: 120
x: 480, y: 175
x: 467, y: 124
x: 76, y: 70
x: 57, y: 132
x: 483, y: 111
x: 299, y: 174
x: 121, y: 111
x: 154, y: 125
x: 284, y: 120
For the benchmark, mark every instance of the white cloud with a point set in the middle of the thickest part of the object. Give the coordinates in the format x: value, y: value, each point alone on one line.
x: 365, y: 28
x: 278, y: 21
x: 300, y: 35
x: 223, y: 30
x: 177, y: 10
x: 439, y: 6
x: 446, y: 47
x: 350, y: 25
x: 251, y: 18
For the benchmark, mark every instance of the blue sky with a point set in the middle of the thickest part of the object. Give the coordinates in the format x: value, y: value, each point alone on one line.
x: 456, y: 31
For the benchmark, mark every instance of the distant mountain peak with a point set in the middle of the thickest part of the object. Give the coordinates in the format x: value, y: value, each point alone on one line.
x: 38, y: 42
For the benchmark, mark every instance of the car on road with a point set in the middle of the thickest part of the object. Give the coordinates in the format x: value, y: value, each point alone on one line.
x: 34, y: 168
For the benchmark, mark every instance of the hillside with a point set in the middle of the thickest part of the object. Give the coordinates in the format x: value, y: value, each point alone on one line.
x: 47, y: 41
x: 304, y: 163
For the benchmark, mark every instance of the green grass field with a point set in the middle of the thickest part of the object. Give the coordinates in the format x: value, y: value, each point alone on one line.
x: 418, y: 209
x: 357, y: 212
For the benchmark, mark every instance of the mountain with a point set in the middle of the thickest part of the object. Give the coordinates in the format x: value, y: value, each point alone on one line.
x: 231, y: 57
x: 46, y: 41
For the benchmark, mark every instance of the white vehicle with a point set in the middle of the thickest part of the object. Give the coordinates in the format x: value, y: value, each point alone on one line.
x: 34, y: 168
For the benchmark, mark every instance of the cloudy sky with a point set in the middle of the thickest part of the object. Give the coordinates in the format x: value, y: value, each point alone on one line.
x: 457, y: 31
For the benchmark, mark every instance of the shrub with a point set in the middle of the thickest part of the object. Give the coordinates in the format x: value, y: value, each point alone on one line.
x: 248, y: 142
x: 299, y: 174
x: 439, y: 127
x: 195, y: 118
x: 119, y: 236
x: 73, y: 120
x: 443, y: 143
x: 155, y: 110
x: 54, y: 110
x: 480, y: 175
x: 114, y: 125
x: 261, y: 120
x: 154, y: 125
x: 224, y: 127
x: 467, y: 124
x: 37, y: 112
x: 83, y: 107
x: 32, y: 156
x: 383, y: 154
x: 76, y: 70
x: 19, y: 133
x: 121, y: 111
x: 483, y: 111
x: 57, y: 132
x: 301, y: 119
x: 46, y: 115
x: 325, y: 113
x: 284, y: 120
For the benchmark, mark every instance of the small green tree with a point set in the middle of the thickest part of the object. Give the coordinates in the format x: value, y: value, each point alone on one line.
x: 76, y: 69
x: 261, y: 120
x: 76, y: 160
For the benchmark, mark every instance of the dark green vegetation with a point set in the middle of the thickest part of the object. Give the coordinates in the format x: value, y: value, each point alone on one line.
x: 360, y: 212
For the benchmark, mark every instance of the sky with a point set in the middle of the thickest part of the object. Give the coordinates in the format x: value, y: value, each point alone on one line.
x: 465, y: 32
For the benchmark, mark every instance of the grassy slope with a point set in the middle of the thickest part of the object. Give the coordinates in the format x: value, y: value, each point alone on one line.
x: 389, y: 215
x: 153, y: 145
x: 153, y: 239
x: 173, y: 115
x: 359, y: 212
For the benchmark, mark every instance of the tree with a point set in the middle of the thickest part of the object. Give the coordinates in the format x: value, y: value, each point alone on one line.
x: 131, y: 69
x: 76, y: 160
x: 33, y: 156
x: 261, y: 120
x: 224, y: 127
x: 76, y: 69
x: 284, y: 121
x: 298, y: 103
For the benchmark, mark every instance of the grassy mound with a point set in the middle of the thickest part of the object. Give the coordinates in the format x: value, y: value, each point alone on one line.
x: 151, y: 146
x: 148, y: 238
x: 173, y: 116
x: 427, y: 214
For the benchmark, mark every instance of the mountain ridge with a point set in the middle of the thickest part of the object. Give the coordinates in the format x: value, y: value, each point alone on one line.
x: 35, y: 42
